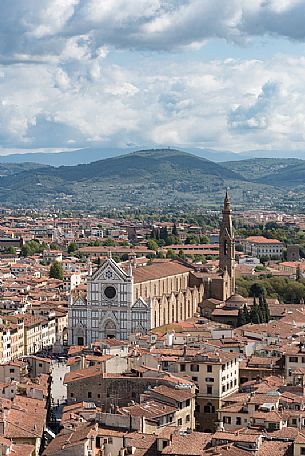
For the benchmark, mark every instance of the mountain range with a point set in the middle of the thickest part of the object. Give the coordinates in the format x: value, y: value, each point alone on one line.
x: 89, y: 155
x: 160, y: 179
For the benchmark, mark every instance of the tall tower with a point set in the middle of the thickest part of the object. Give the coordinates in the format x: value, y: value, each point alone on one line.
x: 227, y: 245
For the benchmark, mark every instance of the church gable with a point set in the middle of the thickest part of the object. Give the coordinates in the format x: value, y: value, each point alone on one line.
x: 140, y: 304
x: 109, y: 271
x: 80, y: 302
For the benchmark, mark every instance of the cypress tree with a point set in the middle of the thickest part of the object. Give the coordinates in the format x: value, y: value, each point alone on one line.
x: 241, y: 318
x: 254, y: 314
x: 246, y: 314
x: 267, y: 310
x: 174, y: 230
x: 262, y: 310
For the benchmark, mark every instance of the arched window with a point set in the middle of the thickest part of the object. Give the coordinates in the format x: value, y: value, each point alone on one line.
x: 209, y: 408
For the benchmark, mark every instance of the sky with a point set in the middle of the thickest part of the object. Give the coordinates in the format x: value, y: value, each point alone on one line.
x: 219, y: 74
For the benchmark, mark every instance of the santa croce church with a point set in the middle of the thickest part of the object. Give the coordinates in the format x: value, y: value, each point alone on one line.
x: 125, y: 298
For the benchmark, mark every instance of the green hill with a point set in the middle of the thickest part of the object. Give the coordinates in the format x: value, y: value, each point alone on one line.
x: 290, y: 176
x: 256, y: 168
x: 162, y: 178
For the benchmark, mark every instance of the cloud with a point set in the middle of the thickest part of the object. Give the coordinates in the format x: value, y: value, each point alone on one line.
x: 61, y: 84
x: 255, y: 116
x: 199, y: 104
x: 44, y: 29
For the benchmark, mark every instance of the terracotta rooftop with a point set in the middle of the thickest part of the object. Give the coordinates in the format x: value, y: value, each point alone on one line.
x: 158, y: 271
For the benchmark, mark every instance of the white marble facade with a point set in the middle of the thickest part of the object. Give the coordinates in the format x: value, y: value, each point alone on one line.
x: 109, y: 310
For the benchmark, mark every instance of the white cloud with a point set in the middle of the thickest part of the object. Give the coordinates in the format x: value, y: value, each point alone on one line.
x: 59, y: 86
x: 228, y: 104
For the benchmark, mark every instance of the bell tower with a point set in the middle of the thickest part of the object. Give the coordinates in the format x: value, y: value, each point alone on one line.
x: 227, y: 245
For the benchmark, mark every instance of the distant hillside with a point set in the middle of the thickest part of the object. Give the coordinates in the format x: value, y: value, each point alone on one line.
x: 89, y: 155
x: 300, y: 154
x: 256, y: 168
x: 153, y: 178
x: 73, y: 157
x: 9, y: 169
x: 291, y: 176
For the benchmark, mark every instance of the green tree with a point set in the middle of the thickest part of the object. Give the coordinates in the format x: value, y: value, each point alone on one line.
x: 56, y: 271
x: 174, y: 230
x: 246, y: 313
x: 109, y: 242
x: 11, y: 250
x: 32, y: 247
x: 171, y: 254
x: 152, y: 245
x: 72, y: 247
x: 241, y: 318
x: 192, y: 239
x: 257, y: 290
x: 171, y: 239
x: 204, y: 239
x: 181, y: 254
x: 255, y: 314
x: 164, y: 234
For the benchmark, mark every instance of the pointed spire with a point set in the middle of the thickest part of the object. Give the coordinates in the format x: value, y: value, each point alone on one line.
x: 109, y: 254
x: 227, y: 202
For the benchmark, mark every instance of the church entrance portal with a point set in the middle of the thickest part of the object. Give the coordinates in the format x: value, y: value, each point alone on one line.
x: 110, y: 330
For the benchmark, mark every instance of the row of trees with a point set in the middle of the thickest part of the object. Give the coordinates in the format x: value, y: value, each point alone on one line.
x: 259, y: 313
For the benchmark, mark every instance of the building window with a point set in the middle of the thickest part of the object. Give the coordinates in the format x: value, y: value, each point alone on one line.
x: 187, y: 418
x: 180, y: 422
x: 72, y: 395
x: 293, y: 359
x: 194, y: 368
x: 187, y: 403
x: 209, y: 368
x: 182, y: 367
x: 227, y: 419
x: 195, y: 379
x: 209, y: 379
x: 209, y: 408
x: 12, y: 371
x: 89, y: 395
x: 302, y: 451
x: 209, y: 390
x: 238, y: 420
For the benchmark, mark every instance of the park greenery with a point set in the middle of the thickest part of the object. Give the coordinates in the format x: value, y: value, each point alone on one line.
x: 286, y: 290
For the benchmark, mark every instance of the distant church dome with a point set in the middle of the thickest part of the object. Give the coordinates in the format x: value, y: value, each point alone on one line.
x: 236, y: 301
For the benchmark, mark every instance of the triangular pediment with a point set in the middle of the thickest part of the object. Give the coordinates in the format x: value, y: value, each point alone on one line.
x: 140, y: 304
x: 109, y: 271
x: 80, y: 302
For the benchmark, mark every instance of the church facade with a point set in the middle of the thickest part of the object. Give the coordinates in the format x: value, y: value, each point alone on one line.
x: 123, y: 299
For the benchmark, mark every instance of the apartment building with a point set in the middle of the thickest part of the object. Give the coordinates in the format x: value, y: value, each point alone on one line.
x: 216, y: 376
